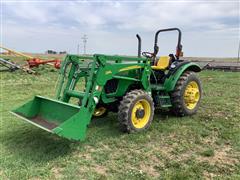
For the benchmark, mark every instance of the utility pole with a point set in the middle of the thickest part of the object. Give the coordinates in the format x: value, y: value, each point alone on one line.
x: 78, y: 49
x: 238, y: 60
x: 84, y: 38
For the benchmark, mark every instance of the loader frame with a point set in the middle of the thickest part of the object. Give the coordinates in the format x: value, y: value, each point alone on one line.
x: 98, y: 71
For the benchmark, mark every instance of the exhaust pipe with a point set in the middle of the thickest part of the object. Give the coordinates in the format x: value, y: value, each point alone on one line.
x: 139, y: 45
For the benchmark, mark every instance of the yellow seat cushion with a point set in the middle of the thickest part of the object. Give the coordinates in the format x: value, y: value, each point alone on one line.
x: 162, y: 63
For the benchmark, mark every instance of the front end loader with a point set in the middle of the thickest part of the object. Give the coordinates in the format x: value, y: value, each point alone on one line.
x: 131, y: 86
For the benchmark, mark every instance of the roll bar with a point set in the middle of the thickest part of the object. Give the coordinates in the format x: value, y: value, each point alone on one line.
x: 179, y: 45
x: 139, y: 45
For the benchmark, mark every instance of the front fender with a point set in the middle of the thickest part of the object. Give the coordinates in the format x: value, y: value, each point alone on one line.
x: 172, y: 79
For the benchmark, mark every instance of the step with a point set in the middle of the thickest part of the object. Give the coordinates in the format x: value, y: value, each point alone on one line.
x: 166, y: 106
x: 157, y: 87
x: 164, y: 97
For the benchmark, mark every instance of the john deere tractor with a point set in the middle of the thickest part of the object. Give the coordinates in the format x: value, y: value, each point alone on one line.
x: 130, y: 86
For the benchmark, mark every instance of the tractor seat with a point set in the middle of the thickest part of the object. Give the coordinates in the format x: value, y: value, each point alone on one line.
x: 162, y: 63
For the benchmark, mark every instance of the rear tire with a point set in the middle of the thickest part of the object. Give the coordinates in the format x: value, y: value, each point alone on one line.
x: 187, y: 94
x: 136, y: 111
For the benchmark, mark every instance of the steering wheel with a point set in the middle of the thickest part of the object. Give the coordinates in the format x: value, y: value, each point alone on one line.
x: 147, y: 54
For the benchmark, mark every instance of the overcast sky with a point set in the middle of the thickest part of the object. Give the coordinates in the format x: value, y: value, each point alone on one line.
x: 210, y: 28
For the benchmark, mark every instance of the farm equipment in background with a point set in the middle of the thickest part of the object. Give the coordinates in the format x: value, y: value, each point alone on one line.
x: 35, y: 62
x: 12, y: 66
x: 9, y: 66
x: 131, y: 86
x: 31, y: 61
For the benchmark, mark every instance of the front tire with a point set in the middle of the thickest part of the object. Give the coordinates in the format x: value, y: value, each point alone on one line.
x: 136, y: 111
x: 187, y: 94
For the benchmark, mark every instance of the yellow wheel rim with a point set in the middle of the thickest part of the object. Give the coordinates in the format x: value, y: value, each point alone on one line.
x: 142, y: 105
x: 191, y: 95
x: 99, y: 111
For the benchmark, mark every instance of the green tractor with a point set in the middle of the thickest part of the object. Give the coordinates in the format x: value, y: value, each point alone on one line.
x: 131, y: 86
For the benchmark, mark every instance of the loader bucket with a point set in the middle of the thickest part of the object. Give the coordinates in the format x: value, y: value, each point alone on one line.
x: 54, y: 116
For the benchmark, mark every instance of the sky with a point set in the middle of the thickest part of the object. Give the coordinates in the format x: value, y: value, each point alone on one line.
x: 210, y: 28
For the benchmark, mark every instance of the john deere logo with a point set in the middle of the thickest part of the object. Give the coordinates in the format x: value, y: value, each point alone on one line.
x: 108, y: 72
x: 129, y: 68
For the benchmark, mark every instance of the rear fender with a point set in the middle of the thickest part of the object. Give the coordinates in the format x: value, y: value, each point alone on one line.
x: 172, y: 79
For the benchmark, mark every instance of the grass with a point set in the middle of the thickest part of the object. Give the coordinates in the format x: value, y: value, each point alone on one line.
x: 207, y: 152
x: 206, y: 145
